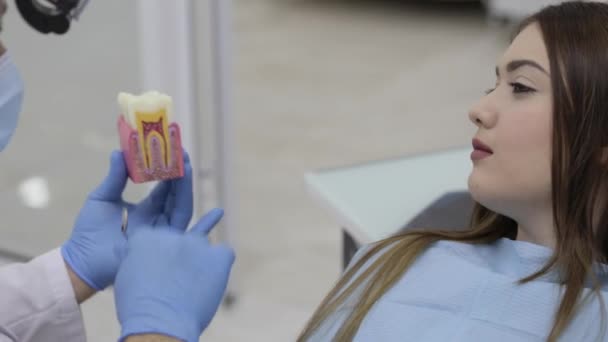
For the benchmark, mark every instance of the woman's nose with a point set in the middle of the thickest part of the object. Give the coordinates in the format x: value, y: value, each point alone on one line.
x: 474, y: 116
x: 483, y: 113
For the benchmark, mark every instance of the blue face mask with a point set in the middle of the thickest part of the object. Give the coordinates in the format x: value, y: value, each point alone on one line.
x: 11, y: 98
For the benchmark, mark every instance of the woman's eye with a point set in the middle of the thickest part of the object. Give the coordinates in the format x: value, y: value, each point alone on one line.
x: 489, y: 91
x: 519, y: 88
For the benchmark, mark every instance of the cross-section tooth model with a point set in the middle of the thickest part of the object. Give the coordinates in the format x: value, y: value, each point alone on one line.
x: 150, y: 142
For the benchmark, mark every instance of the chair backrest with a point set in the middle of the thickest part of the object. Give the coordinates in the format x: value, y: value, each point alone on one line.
x: 451, y: 211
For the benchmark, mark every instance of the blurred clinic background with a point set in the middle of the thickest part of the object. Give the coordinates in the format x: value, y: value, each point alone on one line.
x: 295, y: 112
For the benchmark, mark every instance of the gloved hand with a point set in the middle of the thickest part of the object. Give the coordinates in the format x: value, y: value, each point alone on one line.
x: 90, y: 250
x: 172, y: 283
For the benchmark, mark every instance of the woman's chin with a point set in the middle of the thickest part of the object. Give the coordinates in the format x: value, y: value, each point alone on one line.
x: 481, y: 191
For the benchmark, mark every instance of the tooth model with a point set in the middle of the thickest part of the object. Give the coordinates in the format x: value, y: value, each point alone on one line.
x: 150, y: 142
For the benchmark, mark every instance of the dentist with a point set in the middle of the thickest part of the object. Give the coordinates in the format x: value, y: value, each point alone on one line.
x: 168, y: 283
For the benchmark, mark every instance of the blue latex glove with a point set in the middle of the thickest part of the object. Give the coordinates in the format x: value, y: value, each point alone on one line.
x: 90, y: 250
x: 172, y: 283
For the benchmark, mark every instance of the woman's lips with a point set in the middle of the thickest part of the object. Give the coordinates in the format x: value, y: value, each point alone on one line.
x: 479, y: 154
x: 480, y: 150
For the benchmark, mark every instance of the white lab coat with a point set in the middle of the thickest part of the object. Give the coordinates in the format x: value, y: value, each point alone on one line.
x: 37, y: 302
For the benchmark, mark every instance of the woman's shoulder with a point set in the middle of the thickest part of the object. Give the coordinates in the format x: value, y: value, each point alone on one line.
x: 441, y: 255
x: 473, y: 253
x: 504, y: 257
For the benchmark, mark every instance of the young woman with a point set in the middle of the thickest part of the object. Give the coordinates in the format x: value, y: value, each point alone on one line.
x: 532, y: 267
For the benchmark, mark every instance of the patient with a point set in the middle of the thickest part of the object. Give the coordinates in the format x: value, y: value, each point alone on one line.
x: 532, y: 267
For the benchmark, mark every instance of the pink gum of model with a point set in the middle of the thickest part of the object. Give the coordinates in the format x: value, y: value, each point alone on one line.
x: 147, y: 167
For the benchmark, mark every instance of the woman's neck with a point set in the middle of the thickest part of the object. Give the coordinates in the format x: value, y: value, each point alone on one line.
x: 537, y: 227
x: 536, y: 237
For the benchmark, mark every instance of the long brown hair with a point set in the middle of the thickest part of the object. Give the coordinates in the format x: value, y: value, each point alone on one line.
x: 576, y: 37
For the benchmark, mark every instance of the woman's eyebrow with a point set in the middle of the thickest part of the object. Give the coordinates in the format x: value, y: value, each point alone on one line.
x: 518, y: 63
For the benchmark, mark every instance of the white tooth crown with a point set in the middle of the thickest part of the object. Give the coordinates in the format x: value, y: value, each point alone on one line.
x: 148, y: 102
